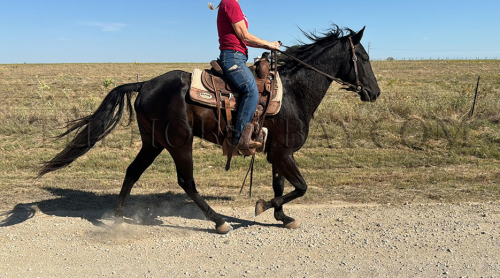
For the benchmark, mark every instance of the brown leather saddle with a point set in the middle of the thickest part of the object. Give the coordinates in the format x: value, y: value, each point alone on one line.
x: 217, y: 91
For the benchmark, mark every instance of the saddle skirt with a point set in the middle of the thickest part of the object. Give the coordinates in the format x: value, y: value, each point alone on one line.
x: 205, y: 85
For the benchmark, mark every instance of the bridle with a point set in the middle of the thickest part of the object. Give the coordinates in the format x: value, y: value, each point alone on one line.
x: 358, y: 87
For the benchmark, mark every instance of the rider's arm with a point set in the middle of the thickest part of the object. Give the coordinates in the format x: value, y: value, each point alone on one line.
x: 241, y: 31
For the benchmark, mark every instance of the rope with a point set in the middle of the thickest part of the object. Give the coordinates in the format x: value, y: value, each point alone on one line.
x: 250, y: 170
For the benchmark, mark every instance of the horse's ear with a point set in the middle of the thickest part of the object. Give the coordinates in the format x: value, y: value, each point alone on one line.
x: 356, y: 39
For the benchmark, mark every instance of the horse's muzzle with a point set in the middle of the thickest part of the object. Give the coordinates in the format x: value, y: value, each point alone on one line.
x: 367, y: 95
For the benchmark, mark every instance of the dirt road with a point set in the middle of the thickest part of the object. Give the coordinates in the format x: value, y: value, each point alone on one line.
x: 334, y: 240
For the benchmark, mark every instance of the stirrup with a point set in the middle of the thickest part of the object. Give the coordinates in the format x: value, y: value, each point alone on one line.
x: 262, y: 139
x: 248, y: 149
x: 254, y: 144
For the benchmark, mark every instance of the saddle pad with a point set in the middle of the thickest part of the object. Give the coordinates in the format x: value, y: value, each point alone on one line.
x: 196, y: 81
x: 202, y: 95
x: 279, y: 93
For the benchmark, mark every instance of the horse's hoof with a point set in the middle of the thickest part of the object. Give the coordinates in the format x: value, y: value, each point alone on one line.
x: 292, y: 225
x: 261, y: 206
x: 224, y: 228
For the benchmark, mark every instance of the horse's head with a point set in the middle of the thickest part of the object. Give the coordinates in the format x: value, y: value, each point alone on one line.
x: 357, y: 69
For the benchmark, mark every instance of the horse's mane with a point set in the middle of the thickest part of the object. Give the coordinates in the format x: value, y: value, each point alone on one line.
x: 327, y: 38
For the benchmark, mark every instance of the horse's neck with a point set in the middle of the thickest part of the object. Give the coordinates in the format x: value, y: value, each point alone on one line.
x: 307, y: 88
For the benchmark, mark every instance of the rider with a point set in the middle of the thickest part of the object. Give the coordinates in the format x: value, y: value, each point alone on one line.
x: 232, y: 26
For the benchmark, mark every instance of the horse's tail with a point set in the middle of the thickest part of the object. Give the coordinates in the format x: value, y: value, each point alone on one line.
x: 93, y: 128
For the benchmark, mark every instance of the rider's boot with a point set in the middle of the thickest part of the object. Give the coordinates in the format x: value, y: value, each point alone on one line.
x: 246, y: 145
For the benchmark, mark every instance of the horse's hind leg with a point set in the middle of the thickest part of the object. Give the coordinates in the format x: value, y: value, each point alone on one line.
x: 183, y: 159
x: 142, y: 161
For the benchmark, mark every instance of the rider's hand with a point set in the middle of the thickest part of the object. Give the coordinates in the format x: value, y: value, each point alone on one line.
x: 274, y: 45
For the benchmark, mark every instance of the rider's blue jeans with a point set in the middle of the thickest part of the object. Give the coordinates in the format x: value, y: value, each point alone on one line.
x: 234, y: 65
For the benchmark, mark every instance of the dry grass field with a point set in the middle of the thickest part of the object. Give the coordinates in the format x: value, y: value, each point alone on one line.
x: 416, y: 144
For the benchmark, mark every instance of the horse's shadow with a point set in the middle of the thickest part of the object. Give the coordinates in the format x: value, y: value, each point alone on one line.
x: 139, y: 210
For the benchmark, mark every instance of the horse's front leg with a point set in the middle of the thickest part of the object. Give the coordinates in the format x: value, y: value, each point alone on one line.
x: 286, y: 168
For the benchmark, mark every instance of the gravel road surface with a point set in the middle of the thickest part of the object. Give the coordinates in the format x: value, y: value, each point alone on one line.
x: 333, y: 240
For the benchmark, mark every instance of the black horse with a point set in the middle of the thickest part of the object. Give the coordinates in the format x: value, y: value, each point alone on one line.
x: 168, y: 119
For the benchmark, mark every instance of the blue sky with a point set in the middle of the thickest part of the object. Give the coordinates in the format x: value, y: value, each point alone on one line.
x: 88, y: 31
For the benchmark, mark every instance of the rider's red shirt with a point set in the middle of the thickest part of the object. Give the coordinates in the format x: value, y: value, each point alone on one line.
x: 230, y: 12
